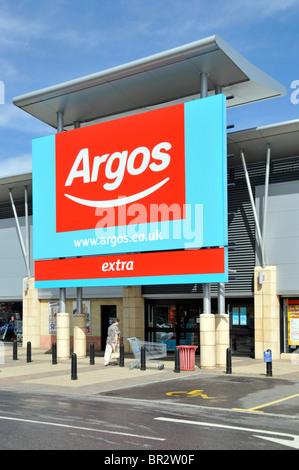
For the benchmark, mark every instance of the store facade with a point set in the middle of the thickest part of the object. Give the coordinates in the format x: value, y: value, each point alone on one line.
x: 251, y: 296
x: 171, y: 313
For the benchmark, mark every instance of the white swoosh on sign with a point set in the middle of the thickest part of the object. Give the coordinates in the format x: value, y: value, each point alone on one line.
x: 118, y: 202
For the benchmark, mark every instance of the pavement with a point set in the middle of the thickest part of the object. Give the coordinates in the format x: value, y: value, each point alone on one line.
x: 41, y: 376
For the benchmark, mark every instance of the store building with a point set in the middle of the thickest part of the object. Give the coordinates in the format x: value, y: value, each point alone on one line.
x: 263, y: 175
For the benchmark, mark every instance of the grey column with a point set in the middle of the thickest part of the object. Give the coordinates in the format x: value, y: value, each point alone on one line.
x: 203, y: 85
x: 79, y: 300
x: 206, y: 298
x: 62, y: 298
x: 221, y: 297
x: 59, y: 121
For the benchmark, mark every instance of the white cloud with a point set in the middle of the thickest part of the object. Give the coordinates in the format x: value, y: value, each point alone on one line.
x: 16, y: 165
x: 168, y: 23
x: 102, y: 23
x: 16, y: 29
x: 14, y: 118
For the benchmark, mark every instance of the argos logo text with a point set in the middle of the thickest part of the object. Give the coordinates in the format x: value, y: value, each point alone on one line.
x: 124, y: 162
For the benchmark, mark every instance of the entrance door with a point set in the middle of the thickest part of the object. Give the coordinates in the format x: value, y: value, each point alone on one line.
x: 108, y: 312
x: 241, y: 313
x: 188, y: 324
x: 173, y: 323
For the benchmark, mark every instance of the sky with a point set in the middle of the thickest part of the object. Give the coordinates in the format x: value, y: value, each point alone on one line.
x: 44, y: 43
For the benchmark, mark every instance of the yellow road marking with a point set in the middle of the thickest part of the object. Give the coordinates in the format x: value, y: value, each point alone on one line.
x: 193, y: 393
x: 256, y: 408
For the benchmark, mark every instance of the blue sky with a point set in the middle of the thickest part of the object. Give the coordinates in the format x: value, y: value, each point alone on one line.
x: 43, y: 43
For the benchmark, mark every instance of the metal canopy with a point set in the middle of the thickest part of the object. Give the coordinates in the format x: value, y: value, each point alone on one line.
x: 16, y: 183
x: 283, y: 139
x: 158, y: 80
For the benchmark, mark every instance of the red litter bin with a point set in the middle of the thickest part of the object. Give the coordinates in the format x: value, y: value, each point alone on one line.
x: 187, y: 357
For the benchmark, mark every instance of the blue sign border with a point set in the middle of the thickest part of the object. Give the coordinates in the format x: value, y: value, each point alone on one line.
x: 135, y: 281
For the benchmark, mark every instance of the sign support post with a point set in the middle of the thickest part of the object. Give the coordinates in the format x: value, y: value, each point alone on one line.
x: 207, y: 320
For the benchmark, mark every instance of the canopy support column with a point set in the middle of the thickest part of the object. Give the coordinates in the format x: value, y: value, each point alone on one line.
x: 62, y: 291
x: 24, y: 251
x: 257, y: 225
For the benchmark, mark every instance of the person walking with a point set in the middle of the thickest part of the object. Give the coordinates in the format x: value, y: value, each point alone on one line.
x: 112, y: 342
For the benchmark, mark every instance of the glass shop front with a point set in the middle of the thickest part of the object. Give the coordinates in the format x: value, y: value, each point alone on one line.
x: 177, y: 323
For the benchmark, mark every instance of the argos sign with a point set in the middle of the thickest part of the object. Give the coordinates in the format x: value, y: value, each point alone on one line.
x: 149, y: 182
x: 137, y: 159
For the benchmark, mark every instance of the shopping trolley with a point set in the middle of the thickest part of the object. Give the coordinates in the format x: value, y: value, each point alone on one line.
x: 3, y: 331
x: 152, y: 351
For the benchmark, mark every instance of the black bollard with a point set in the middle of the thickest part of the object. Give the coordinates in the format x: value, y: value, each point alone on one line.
x: 121, y: 355
x: 15, y: 350
x: 269, y: 369
x: 74, y: 367
x: 91, y: 353
x: 28, y: 351
x: 269, y: 363
x: 142, y: 358
x: 177, y: 361
x: 54, y: 353
x: 228, y: 361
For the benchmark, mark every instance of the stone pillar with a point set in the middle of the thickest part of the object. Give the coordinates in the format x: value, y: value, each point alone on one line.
x: 207, y: 341
x: 266, y: 312
x: 133, y: 315
x: 63, y: 336
x: 80, y: 335
x: 31, y: 314
x: 222, y: 338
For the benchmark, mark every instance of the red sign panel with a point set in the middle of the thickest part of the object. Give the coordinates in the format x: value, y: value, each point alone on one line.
x: 117, y: 163
x: 138, y: 265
